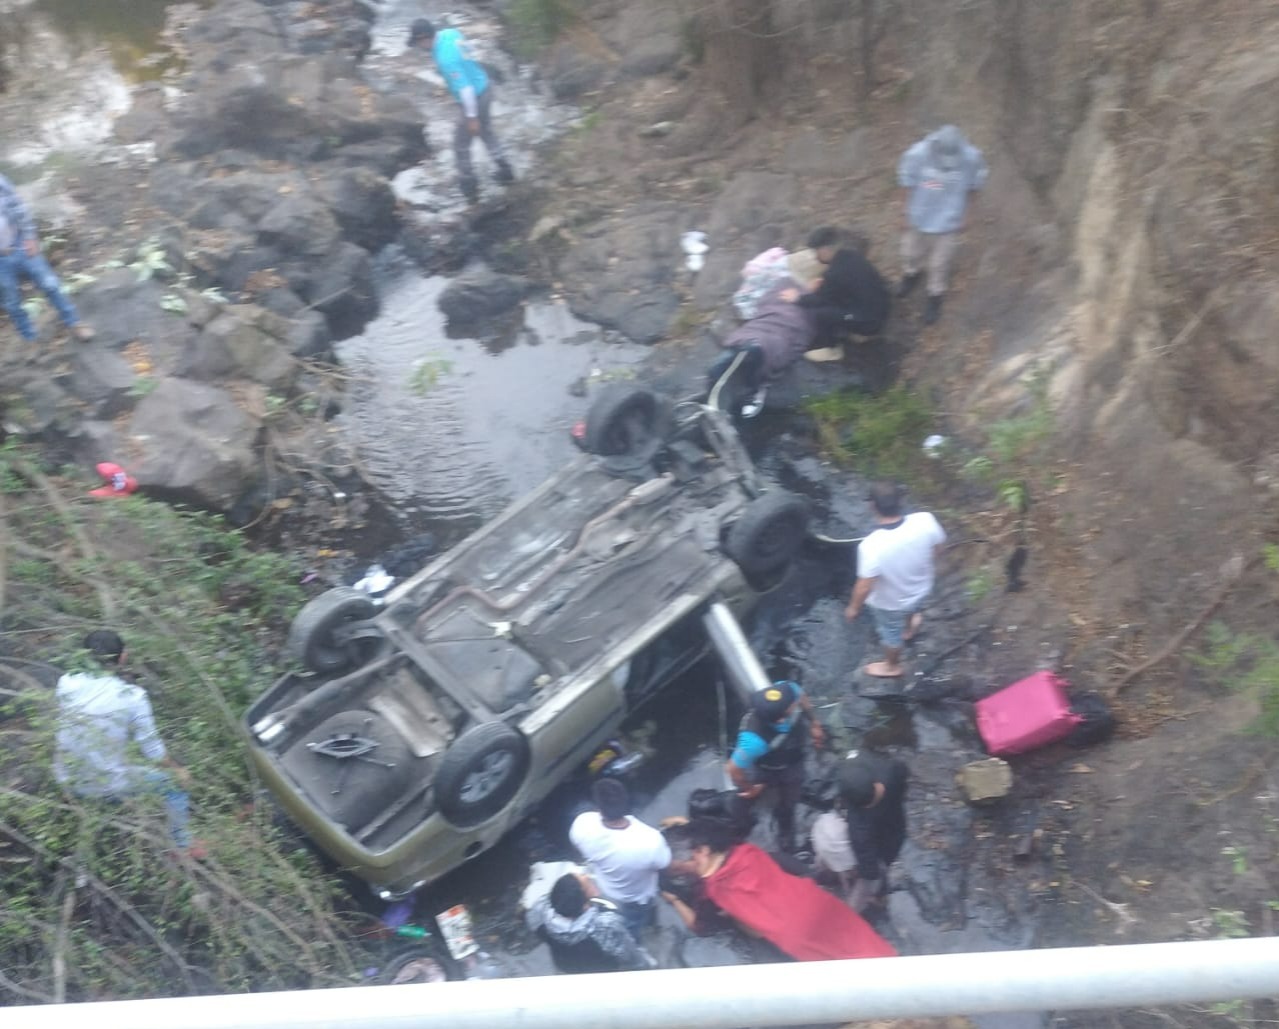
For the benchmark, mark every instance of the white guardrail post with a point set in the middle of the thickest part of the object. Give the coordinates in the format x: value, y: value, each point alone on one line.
x: 726, y: 998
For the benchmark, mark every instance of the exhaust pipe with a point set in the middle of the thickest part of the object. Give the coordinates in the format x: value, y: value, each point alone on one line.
x: 743, y: 667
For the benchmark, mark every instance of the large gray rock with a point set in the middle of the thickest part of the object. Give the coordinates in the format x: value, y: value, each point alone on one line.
x: 476, y: 295
x: 236, y: 201
x: 363, y: 204
x: 243, y: 342
x: 103, y: 380
x: 44, y: 406
x: 193, y: 441
x: 124, y: 308
x: 289, y: 106
x: 572, y: 71
x: 340, y: 287
x: 621, y: 274
x: 300, y: 225
x: 309, y: 335
x: 644, y: 317
x: 744, y: 220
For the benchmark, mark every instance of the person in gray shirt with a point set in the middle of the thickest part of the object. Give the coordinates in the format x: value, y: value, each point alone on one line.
x: 938, y: 174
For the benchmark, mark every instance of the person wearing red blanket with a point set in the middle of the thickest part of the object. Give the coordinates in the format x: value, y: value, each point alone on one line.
x: 795, y: 915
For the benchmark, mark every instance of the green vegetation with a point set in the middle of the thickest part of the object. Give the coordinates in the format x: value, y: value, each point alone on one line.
x: 427, y: 374
x: 980, y: 584
x: 878, y: 435
x: 1245, y: 661
x: 537, y: 23
x: 95, y: 903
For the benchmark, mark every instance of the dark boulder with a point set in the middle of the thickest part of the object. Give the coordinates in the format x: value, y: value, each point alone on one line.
x: 622, y: 274
x: 363, y: 204
x: 340, y: 287
x: 103, y: 380
x: 243, y: 342
x: 480, y: 294
x: 300, y: 225
x: 572, y: 71
x: 125, y: 308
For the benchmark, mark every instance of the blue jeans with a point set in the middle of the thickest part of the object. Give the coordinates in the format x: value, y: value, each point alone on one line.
x: 637, y: 916
x: 16, y: 265
x: 176, y: 802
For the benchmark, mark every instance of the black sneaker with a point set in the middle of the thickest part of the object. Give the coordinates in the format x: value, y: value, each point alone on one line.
x: 908, y: 283
x: 932, y: 311
x: 505, y: 174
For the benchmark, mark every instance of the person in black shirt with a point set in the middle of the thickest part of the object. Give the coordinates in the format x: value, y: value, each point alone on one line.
x: 872, y: 807
x: 850, y: 297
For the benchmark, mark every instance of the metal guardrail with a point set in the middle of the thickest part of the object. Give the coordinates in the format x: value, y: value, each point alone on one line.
x: 726, y: 998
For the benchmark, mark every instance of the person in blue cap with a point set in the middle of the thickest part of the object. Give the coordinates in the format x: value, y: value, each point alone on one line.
x: 771, y: 743
x: 469, y: 85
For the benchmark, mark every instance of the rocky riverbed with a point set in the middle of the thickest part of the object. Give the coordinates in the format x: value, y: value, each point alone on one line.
x: 286, y: 220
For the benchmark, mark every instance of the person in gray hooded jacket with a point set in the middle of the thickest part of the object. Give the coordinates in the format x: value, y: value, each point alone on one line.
x: 585, y: 932
x: 938, y: 175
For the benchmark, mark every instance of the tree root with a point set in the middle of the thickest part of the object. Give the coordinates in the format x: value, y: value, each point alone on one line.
x: 1120, y: 911
x: 1232, y: 575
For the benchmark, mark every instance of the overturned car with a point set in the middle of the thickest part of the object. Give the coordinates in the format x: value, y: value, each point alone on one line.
x: 426, y: 728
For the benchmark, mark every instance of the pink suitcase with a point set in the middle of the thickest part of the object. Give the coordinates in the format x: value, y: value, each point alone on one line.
x: 1028, y: 714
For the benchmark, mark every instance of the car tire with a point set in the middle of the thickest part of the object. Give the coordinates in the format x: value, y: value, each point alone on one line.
x: 622, y: 422
x: 481, y: 773
x: 311, y: 637
x: 416, y: 964
x: 769, y: 533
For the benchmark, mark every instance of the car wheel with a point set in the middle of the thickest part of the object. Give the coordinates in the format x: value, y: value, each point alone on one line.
x: 481, y: 773
x: 622, y: 422
x: 768, y: 535
x: 414, y: 965
x: 314, y: 635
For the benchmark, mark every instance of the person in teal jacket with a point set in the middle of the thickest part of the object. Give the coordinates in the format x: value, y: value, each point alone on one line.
x: 470, y: 87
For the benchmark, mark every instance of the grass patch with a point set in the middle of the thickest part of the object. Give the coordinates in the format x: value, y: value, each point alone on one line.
x: 877, y: 435
x: 1245, y: 661
x: 537, y: 23
x: 203, y: 615
x: 1020, y: 438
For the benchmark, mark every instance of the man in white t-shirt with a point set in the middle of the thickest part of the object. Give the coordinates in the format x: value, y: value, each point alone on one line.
x: 624, y: 854
x: 895, y: 570
x: 107, y: 744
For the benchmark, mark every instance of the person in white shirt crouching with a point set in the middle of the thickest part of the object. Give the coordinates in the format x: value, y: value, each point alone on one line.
x: 623, y: 854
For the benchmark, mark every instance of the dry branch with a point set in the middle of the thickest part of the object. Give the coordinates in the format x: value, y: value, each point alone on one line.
x: 1229, y: 581
x: 87, y: 550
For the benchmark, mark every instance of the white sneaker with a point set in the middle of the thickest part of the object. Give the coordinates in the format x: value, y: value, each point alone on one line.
x: 755, y: 404
x: 823, y: 354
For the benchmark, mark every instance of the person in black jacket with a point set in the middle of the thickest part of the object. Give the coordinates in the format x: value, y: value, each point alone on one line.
x: 866, y: 832
x: 851, y: 297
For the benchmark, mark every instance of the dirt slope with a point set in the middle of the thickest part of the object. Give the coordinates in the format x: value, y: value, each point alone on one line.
x: 1121, y: 261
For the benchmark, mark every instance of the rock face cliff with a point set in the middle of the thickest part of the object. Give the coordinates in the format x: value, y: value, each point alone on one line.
x: 1125, y: 249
